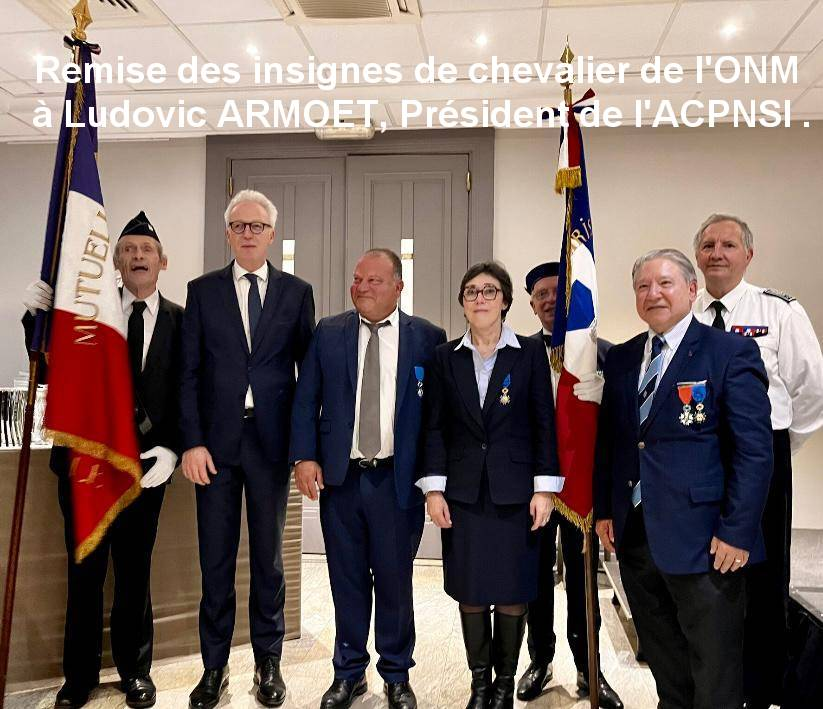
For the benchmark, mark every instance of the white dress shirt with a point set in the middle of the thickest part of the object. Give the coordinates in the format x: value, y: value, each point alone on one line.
x: 389, y: 338
x: 789, y: 348
x: 149, y: 316
x: 483, y: 368
x: 555, y: 374
x: 671, y: 341
x: 241, y: 288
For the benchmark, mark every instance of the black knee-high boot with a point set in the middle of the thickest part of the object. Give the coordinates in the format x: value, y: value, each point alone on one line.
x: 508, y: 636
x: 477, y: 636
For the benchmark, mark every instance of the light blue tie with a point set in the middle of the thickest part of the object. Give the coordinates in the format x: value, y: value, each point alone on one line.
x: 645, y: 394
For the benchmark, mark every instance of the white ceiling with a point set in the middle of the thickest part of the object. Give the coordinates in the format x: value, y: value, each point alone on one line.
x: 516, y: 30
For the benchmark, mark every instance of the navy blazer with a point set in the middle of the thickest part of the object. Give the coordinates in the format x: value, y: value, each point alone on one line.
x: 514, y: 442
x: 218, y: 367
x: 322, y: 420
x: 698, y: 481
x: 603, y: 347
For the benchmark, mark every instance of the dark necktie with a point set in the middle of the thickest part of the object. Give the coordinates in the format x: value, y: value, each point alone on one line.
x: 547, y: 340
x: 369, y: 425
x: 255, y: 306
x: 718, y: 315
x: 135, y: 339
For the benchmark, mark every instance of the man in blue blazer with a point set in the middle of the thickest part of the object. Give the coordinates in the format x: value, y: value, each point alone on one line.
x: 355, y: 431
x: 245, y: 328
x: 684, y: 457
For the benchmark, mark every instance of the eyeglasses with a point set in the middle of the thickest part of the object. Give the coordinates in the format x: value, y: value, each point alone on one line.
x: 489, y: 292
x: 255, y: 228
x: 542, y: 295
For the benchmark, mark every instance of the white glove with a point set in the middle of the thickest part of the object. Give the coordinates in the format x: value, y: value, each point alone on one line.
x: 590, y: 387
x: 163, y: 467
x: 39, y: 296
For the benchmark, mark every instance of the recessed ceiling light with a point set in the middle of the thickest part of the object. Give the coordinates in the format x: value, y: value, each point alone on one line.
x: 481, y: 40
x: 729, y: 30
x: 252, y: 50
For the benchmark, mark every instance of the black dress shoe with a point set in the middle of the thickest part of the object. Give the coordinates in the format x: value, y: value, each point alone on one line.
x: 140, y: 692
x: 342, y: 692
x: 72, y: 695
x: 534, y: 681
x: 271, y: 689
x: 209, y: 689
x: 401, y: 695
x: 608, y: 697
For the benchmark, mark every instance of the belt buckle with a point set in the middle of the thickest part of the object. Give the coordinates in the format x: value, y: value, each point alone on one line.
x: 366, y: 463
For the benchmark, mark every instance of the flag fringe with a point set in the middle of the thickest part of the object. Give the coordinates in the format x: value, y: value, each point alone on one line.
x: 584, y: 524
x: 119, y: 461
x: 567, y: 178
x: 556, y: 357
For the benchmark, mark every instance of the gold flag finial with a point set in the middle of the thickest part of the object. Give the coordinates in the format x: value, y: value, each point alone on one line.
x: 566, y: 58
x: 82, y: 19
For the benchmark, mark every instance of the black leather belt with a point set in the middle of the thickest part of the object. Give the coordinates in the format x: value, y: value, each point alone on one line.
x: 373, y: 462
x: 248, y: 413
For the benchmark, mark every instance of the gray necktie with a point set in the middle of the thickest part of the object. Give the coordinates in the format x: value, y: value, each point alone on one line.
x: 369, y: 432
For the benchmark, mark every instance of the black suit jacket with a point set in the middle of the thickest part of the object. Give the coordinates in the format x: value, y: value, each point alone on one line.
x: 514, y: 442
x: 602, y: 348
x: 157, y: 390
x: 218, y: 367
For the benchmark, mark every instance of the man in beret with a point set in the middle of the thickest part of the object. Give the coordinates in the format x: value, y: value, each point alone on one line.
x: 154, y: 327
x: 541, y: 285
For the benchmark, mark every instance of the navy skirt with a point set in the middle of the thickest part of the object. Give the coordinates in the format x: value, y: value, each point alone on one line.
x: 490, y: 556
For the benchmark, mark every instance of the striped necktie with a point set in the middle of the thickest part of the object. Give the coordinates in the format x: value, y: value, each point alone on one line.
x: 645, y: 393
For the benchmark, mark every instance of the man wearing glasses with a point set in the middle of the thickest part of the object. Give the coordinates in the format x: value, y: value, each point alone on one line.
x: 541, y: 285
x: 245, y: 328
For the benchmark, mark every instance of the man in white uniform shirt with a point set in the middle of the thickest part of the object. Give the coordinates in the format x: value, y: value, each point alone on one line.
x: 724, y: 247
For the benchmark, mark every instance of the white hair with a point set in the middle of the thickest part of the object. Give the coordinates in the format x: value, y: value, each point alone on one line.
x: 678, y: 258
x: 257, y: 198
x: 745, y: 233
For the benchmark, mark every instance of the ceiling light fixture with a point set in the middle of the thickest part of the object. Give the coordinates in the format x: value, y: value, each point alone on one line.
x: 481, y: 40
x: 729, y: 30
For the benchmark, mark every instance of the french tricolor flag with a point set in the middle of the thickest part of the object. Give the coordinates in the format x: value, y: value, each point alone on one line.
x: 90, y: 405
x: 574, y: 336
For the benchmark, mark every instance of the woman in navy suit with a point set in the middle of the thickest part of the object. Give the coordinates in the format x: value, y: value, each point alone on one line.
x: 490, y: 466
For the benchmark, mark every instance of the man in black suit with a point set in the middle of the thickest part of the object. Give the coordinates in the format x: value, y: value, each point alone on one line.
x: 154, y: 328
x: 245, y: 328
x: 541, y: 285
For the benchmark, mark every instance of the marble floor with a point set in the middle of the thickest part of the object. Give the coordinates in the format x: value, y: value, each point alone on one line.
x: 440, y: 679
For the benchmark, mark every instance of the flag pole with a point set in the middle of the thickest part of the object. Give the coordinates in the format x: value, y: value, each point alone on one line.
x: 588, y: 535
x: 82, y: 19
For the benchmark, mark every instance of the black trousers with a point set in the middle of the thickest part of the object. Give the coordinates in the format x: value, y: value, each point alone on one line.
x: 130, y: 540
x: 690, y: 626
x: 765, y: 648
x: 542, y: 638
x: 219, y: 507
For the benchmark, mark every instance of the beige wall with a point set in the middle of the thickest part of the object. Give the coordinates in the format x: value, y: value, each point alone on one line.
x: 652, y: 188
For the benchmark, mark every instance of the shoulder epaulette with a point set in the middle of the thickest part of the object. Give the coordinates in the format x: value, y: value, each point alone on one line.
x: 779, y: 294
